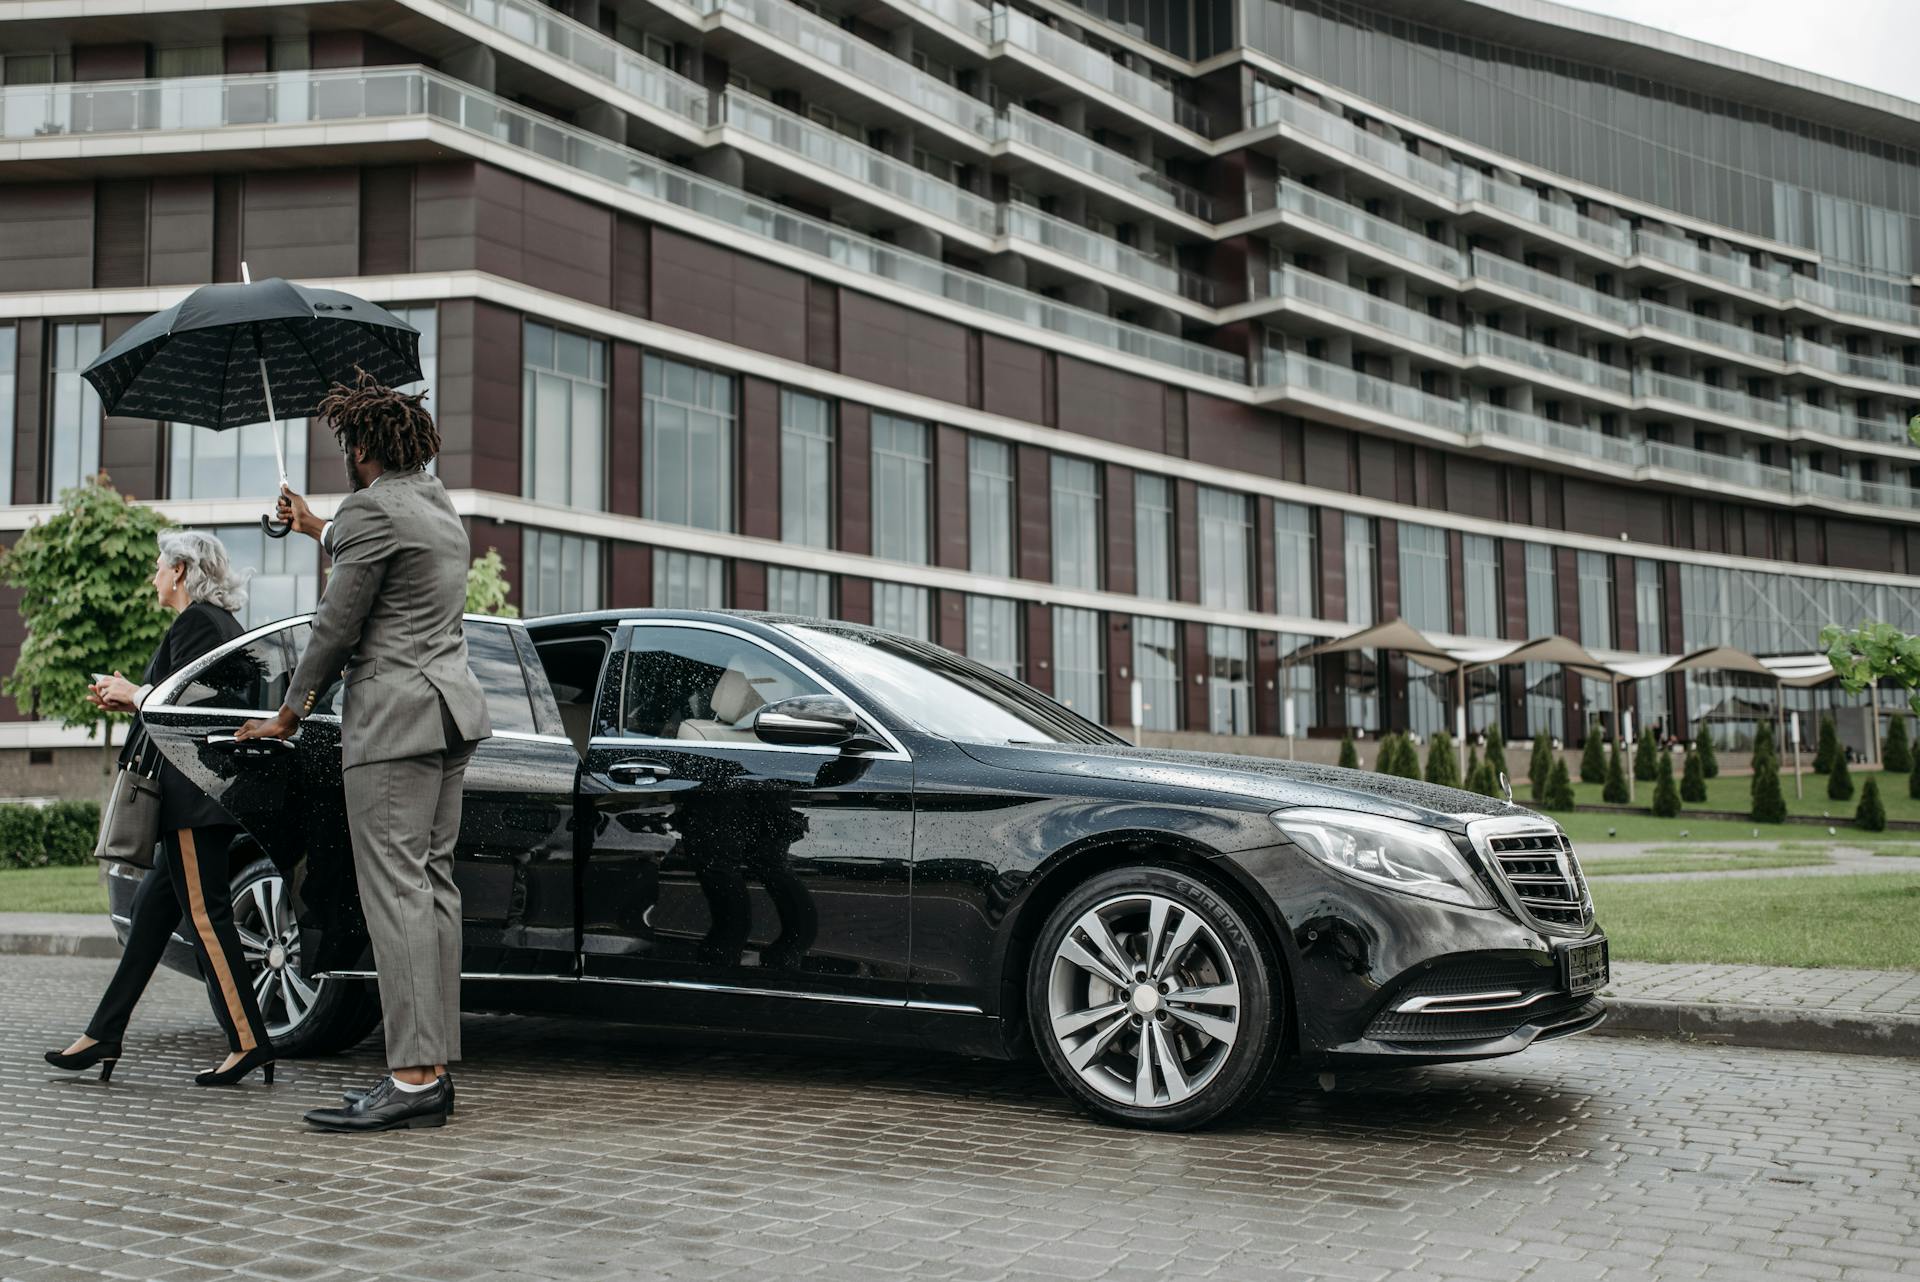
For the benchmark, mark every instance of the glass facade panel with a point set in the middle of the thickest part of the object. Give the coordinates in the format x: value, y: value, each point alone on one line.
x: 807, y: 593
x: 1079, y: 676
x: 902, y: 471
x: 806, y: 470
x: 1425, y: 580
x: 73, y: 439
x: 993, y: 633
x: 1483, y: 597
x: 1153, y: 536
x: 9, y: 384
x: 1298, y: 686
x: 1293, y: 563
x: 1229, y: 682
x: 563, y: 417
x: 240, y: 463
x: 1545, y: 699
x: 424, y: 317
x: 1226, y: 549
x: 560, y: 573
x: 990, y: 507
x: 1076, y: 523
x: 687, y: 446
x: 1156, y: 666
x: 1596, y: 601
x: 1362, y: 667
x: 283, y: 575
x: 688, y: 581
x: 902, y: 608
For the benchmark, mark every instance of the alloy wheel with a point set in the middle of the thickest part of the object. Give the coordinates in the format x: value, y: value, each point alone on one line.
x: 1143, y: 1000
x: 270, y: 945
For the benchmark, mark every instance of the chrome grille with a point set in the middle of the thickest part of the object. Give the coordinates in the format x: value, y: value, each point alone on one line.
x: 1535, y: 865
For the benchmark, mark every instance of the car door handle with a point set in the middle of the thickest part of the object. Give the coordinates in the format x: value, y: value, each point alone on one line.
x: 636, y: 773
x: 250, y: 747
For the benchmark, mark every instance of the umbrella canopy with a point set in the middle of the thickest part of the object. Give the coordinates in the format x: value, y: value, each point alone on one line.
x: 201, y: 360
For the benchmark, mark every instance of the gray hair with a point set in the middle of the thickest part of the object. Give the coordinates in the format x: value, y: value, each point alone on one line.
x: 210, y: 573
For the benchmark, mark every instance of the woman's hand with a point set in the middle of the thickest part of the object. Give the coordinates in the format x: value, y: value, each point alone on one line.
x: 114, y: 694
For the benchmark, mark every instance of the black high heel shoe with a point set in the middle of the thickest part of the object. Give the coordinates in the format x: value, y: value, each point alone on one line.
x: 260, y: 1057
x: 105, y: 1054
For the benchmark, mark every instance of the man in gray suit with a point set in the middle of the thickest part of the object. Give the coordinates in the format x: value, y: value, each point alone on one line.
x: 413, y: 712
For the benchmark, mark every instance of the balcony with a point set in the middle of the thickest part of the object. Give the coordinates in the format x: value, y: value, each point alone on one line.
x: 1339, y: 217
x: 856, y: 162
x: 1104, y: 163
x: 1834, y: 360
x: 963, y: 16
x: 1713, y: 333
x: 1538, y: 357
x: 1519, y: 201
x: 1504, y: 272
x: 1390, y: 158
x: 1092, y: 68
x: 1691, y: 395
x: 413, y: 94
x: 1846, y: 489
x: 1292, y: 372
x: 1683, y: 255
x: 1559, y: 438
x: 1832, y: 423
x: 1023, y: 222
x: 1718, y: 468
x: 1404, y: 324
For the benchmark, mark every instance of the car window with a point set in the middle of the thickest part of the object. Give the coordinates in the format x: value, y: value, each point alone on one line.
x: 254, y: 678
x: 497, y: 664
x: 573, y: 668
x: 697, y: 684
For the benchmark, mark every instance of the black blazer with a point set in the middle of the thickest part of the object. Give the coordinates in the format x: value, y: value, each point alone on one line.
x: 196, y: 630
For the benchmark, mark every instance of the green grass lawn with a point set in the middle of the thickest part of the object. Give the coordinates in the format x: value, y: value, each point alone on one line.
x: 52, y: 890
x: 1864, y: 921
x: 1699, y: 861
x: 1734, y: 792
x: 1591, y: 830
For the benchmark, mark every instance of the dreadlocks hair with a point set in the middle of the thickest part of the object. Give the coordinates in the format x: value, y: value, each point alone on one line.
x: 391, y: 426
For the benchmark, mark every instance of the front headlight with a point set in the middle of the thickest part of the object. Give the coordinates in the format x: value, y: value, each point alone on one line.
x: 1388, y: 852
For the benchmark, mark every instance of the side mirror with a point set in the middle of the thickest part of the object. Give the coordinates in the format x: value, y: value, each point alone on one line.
x: 811, y: 721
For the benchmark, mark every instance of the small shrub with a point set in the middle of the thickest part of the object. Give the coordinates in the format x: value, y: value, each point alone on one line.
x: 1703, y: 744
x: 1496, y: 750
x: 1693, y: 781
x: 1644, y: 753
x: 1872, y: 812
x: 23, y: 837
x: 1540, y: 765
x: 1559, y: 788
x: 1763, y: 745
x: 1349, y: 755
x: 1593, y: 758
x: 1484, y: 780
x: 1769, y: 806
x: 1615, y: 792
x: 1840, y: 780
x: 72, y: 827
x: 1442, y: 767
x: 1386, y: 761
x: 1666, y: 798
x: 1896, y: 754
x: 1406, y: 762
x: 1828, y: 752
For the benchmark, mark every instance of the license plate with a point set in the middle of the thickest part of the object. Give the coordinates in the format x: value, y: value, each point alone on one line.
x: 1583, y: 966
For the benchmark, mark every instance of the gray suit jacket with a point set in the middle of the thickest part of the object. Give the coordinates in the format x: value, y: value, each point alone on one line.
x: 391, y: 615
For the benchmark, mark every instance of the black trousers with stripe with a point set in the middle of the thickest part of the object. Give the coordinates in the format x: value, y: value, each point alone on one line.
x: 189, y: 888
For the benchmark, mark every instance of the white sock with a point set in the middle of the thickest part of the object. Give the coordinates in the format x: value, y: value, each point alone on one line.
x: 411, y: 1089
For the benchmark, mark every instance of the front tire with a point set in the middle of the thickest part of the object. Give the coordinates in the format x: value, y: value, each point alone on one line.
x: 1154, y: 1000
x: 303, y: 1017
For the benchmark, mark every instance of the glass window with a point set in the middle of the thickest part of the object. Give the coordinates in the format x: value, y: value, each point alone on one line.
x: 1545, y: 683
x: 1425, y: 581
x: 559, y: 573
x: 1153, y: 536
x: 1076, y: 523
x: 8, y: 386
x: 189, y: 60
x: 698, y: 684
x: 73, y: 445
x: 806, y: 470
x: 497, y: 666
x: 564, y: 417
x: 240, y: 463
x: 902, y: 471
x: 255, y: 677
x: 688, y: 581
x: 1229, y: 682
x: 1226, y: 549
x: 1078, y: 673
x: 1298, y: 686
x: 284, y: 574
x: 1649, y: 600
x: 1362, y: 667
x: 687, y: 423
x: 993, y: 634
x: 902, y: 608
x: 1156, y: 666
x: 1482, y: 569
x: 807, y: 593
x: 1293, y: 564
x: 989, y: 507
x: 426, y: 319
x: 1596, y: 600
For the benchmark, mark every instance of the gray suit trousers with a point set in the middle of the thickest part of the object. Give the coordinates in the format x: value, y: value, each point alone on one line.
x: 405, y: 817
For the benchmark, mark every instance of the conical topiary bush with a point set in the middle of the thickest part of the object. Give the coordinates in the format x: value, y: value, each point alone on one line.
x: 1829, y: 750
x: 1693, y: 781
x: 1703, y: 744
x: 1349, y: 755
x: 1540, y: 766
x: 1593, y: 758
x: 1443, y: 767
x: 1387, y: 757
x: 1840, y: 779
x: 1872, y: 812
x: 1644, y: 753
x: 1666, y: 798
x: 1559, y: 788
x: 1896, y: 754
x: 1615, y: 792
x: 1769, y: 807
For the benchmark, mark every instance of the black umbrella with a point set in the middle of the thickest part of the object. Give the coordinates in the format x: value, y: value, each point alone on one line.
x: 229, y: 355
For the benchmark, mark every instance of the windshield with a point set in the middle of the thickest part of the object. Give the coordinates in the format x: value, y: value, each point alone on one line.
x: 943, y: 694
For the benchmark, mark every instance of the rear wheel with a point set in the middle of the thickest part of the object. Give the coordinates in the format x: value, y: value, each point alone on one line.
x: 303, y: 1016
x: 1154, y: 1001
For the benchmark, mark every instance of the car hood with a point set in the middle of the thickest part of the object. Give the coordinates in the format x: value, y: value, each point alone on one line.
x: 1265, y: 781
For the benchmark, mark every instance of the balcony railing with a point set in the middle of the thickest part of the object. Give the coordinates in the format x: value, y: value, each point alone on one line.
x: 1103, y: 252
x: 856, y: 161
x: 1090, y: 66
x: 1390, y: 237
x: 1561, y: 438
x: 872, y: 66
x: 1523, y: 203
x: 1105, y: 163
x: 1358, y: 305
x: 1718, y: 467
x: 388, y: 93
x: 1815, y: 418
x: 1549, y: 360
x: 962, y: 15
x: 1704, y: 396
x: 1854, y: 365
x: 1371, y: 149
x: 1714, y: 333
x: 1849, y: 489
x: 1554, y: 289
x: 1293, y: 371
x: 1689, y: 257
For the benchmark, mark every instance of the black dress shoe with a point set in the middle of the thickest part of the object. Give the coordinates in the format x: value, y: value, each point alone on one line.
x: 387, y: 1108
x: 354, y: 1097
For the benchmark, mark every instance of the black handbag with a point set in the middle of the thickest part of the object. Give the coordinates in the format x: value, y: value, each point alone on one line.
x: 130, y: 824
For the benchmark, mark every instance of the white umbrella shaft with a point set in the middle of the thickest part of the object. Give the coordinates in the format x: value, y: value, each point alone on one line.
x: 279, y: 447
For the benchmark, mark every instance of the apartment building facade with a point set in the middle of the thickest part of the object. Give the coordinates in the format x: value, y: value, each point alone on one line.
x: 1145, y: 340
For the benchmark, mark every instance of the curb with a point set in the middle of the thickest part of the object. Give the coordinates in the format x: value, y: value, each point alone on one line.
x: 1773, y: 1027
x: 20, y: 943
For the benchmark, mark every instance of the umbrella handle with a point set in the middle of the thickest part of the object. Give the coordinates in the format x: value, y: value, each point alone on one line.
x: 275, y: 529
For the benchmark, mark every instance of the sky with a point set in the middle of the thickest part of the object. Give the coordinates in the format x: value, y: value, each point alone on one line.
x: 1867, y: 42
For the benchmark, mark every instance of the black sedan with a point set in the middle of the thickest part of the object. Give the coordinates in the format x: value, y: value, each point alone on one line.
x: 752, y: 824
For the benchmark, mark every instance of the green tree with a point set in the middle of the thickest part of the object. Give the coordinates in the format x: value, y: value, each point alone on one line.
x: 1693, y: 781
x: 1593, y: 757
x: 1871, y: 814
x: 1896, y: 754
x: 1443, y: 767
x: 1644, y: 753
x: 1769, y: 806
x: 1829, y: 750
x: 1559, y: 787
x: 1703, y: 744
x: 1484, y: 780
x: 1496, y: 751
x: 1386, y: 760
x: 1540, y: 765
x: 487, y: 587
x: 1406, y: 762
x: 86, y: 597
x: 1615, y: 792
x: 1666, y: 798
x: 1473, y: 764
x: 1763, y: 743
x: 1349, y: 755
x: 1840, y: 779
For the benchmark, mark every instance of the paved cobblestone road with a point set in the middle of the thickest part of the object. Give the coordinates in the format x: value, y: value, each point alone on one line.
x: 583, y: 1152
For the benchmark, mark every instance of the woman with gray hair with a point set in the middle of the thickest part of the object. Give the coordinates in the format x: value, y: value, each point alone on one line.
x: 188, y: 885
